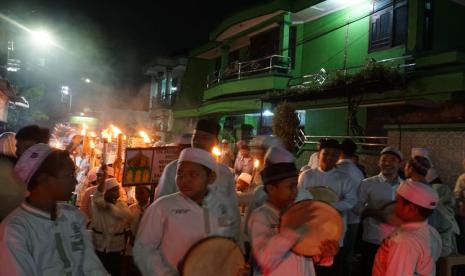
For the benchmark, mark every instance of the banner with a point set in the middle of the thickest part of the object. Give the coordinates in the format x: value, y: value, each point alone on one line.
x: 144, y: 166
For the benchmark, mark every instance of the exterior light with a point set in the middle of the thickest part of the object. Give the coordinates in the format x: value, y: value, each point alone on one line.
x: 268, y: 113
x: 42, y: 38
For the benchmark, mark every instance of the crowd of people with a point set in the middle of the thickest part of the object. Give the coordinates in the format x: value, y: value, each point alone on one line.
x: 56, y: 222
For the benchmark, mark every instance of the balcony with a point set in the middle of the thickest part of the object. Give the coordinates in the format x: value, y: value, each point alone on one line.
x: 274, y: 64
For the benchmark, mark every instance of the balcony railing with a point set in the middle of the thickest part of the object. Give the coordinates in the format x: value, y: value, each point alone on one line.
x: 239, y: 70
x: 403, y: 64
x: 365, y: 142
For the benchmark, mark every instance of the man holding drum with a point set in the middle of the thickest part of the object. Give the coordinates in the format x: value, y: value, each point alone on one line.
x: 375, y: 192
x: 328, y: 175
x: 174, y: 223
x: 415, y: 246
x: 272, y: 248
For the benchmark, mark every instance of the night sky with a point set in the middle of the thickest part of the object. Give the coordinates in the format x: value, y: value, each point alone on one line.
x: 125, y: 35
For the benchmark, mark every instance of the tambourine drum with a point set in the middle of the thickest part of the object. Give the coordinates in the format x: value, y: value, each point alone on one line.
x: 325, y: 223
x: 389, y: 214
x: 323, y: 193
x: 213, y: 256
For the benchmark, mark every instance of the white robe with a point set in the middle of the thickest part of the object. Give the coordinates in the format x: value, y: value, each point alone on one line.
x: 33, y: 244
x: 271, y: 247
x: 412, y: 249
x: 348, y: 166
x: 173, y: 223
x: 337, y: 181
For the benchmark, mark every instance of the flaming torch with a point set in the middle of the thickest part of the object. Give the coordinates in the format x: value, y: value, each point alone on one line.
x: 217, y: 153
x: 145, y: 136
x: 256, y: 165
x: 119, y: 159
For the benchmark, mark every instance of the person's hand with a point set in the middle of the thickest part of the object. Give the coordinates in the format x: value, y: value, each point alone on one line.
x: 245, y: 271
x: 329, y: 248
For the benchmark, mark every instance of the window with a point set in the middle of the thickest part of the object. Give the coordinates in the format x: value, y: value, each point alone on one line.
x: 292, y: 44
x: 388, y: 24
x: 428, y: 25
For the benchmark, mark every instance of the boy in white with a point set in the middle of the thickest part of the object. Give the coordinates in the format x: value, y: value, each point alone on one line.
x: 329, y: 176
x: 415, y: 246
x: 43, y: 236
x: 272, y: 247
x: 173, y: 223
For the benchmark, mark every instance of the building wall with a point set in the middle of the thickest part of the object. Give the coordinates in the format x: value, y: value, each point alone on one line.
x: 193, y: 82
x: 447, y: 149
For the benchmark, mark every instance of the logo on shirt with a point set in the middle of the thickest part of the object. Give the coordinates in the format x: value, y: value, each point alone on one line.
x: 180, y: 211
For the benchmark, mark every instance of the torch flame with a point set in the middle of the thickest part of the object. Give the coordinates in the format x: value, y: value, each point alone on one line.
x: 92, y: 134
x: 144, y: 135
x: 256, y: 163
x: 106, y: 135
x: 84, y: 129
x: 115, y: 130
x: 92, y: 144
x: 216, y: 151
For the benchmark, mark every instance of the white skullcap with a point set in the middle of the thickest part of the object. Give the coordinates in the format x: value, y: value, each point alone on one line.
x: 426, y: 153
x: 92, y: 174
x: 31, y: 160
x: 110, y: 183
x: 198, y: 156
x: 419, y: 194
x: 278, y: 155
x: 247, y: 178
x: 392, y: 150
x: 110, y: 171
x: 423, y: 152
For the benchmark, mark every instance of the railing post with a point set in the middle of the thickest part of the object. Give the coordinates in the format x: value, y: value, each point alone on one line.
x: 239, y: 73
x: 271, y: 63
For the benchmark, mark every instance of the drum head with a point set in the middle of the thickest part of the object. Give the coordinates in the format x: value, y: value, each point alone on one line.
x: 213, y: 256
x: 323, y: 193
x: 324, y: 224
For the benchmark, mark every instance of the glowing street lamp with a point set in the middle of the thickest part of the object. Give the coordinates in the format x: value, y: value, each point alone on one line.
x: 42, y: 38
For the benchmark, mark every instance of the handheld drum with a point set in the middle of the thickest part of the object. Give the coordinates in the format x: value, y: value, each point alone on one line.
x: 324, y: 223
x: 213, y: 256
x: 324, y: 193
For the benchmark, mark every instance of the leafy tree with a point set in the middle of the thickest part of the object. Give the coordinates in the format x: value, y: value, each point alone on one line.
x: 285, y: 124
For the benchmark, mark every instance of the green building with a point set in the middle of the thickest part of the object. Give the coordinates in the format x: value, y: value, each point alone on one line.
x: 389, y: 68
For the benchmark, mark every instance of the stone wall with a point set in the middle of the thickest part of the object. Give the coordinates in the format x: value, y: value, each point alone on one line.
x: 447, y: 149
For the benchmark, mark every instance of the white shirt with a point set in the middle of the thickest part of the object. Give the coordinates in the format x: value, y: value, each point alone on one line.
x: 313, y: 161
x: 348, y: 166
x: 86, y: 202
x: 32, y: 244
x: 271, y: 247
x: 412, y: 249
x: 336, y: 180
x: 173, y: 223
x: 224, y: 183
x: 109, y: 222
x: 374, y: 192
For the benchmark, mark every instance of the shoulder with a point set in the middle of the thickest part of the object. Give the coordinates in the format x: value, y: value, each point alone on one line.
x: 370, y: 180
x: 15, y: 224
x: 70, y: 211
x: 260, y: 214
x: 166, y: 201
x: 171, y: 166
